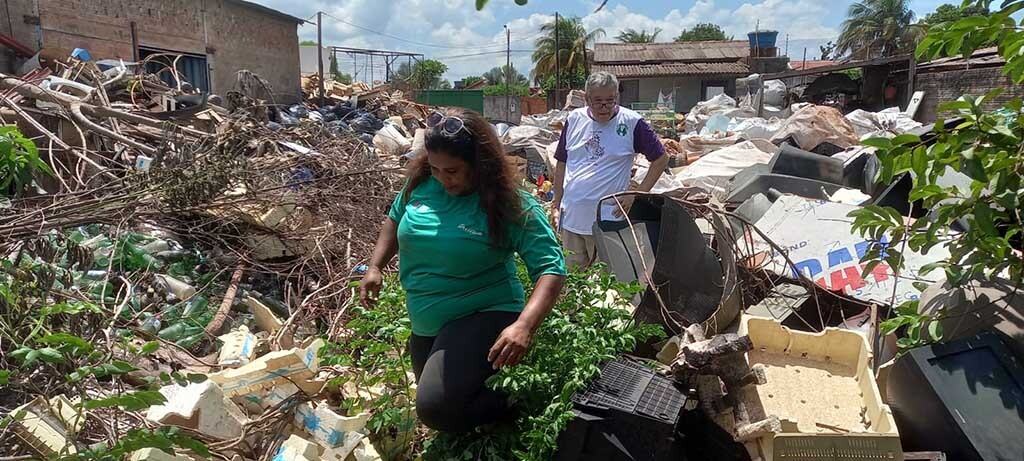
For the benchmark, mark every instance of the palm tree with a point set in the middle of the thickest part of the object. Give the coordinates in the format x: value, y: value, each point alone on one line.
x: 875, y: 28
x: 499, y: 75
x: 632, y: 36
x: 573, y: 39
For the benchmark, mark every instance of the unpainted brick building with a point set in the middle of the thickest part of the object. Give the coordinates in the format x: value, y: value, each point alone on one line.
x: 217, y: 37
x: 947, y: 79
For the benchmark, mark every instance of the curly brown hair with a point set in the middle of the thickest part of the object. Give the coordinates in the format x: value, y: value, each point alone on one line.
x: 493, y: 177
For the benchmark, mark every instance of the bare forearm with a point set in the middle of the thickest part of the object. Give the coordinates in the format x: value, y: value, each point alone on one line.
x: 387, y: 244
x: 559, y: 182
x: 545, y: 294
x: 654, y: 173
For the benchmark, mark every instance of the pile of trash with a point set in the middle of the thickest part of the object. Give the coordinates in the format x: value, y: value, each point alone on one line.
x: 202, y: 243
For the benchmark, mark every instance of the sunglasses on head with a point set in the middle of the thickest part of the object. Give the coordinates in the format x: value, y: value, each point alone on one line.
x: 449, y: 125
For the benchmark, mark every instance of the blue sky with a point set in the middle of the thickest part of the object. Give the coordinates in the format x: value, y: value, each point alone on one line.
x: 471, y: 42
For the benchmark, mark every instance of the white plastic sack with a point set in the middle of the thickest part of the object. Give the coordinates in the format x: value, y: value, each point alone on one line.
x: 718, y: 124
x: 551, y: 119
x: 774, y: 93
x: 814, y: 125
x: 888, y: 123
x: 713, y: 171
x: 700, y: 113
x: 756, y: 128
x: 391, y: 140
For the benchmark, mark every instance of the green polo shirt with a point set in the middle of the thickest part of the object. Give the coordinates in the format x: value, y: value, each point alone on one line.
x: 447, y: 264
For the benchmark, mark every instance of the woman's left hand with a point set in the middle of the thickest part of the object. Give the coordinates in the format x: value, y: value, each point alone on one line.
x: 511, y: 346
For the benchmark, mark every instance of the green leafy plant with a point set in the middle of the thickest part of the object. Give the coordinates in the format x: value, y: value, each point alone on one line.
x: 586, y: 328
x: 502, y: 90
x: 985, y: 149
x: 375, y: 347
x: 19, y: 161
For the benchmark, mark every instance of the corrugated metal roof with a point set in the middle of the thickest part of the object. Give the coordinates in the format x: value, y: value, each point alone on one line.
x: 665, y: 70
x: 708, y: 51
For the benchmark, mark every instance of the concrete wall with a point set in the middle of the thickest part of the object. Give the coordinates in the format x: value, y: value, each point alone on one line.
x: 231, y: 36
x: 307, y: 60
x: 943, y: 87
x: 494, y: 108
x: 688, y: 90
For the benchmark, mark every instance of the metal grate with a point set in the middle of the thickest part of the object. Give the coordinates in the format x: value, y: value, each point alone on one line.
x: 630, y: 387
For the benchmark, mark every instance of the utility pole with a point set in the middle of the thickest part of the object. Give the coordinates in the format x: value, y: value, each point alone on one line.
x: 320, y: 55
x: 508, y: 74
x: 787, y: 46
x: 557, y: 52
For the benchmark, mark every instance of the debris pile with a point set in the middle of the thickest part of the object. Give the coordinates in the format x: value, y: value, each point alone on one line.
x: 168, y: 281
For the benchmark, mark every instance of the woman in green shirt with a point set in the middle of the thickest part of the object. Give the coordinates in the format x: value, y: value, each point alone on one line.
x: 456, y: 227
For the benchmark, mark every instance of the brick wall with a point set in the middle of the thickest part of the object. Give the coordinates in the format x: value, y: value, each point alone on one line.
x: 231, y: 35
x: 942, y: 87
x: 248, y: 39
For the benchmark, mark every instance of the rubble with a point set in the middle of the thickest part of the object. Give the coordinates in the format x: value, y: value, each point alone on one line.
x: 202, y: 407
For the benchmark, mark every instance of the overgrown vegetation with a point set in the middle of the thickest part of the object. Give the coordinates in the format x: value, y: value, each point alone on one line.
x: 19, y: 161
x: 586, y: 328
x: 68, y: 326
x: 986, y: 149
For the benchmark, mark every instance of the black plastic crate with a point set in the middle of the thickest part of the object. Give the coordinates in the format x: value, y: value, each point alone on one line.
x: 628, y: 412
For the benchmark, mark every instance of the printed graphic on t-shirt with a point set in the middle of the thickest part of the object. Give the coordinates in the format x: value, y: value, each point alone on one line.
x: 621, y: 130
x: 594, y: 147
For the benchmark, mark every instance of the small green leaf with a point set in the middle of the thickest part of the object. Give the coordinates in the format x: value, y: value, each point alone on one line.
x: 5, y: 377
x: 955, y: 105
x: 51, y: 355
x: 881, y: 143
x: 935, y: 330
x: 149, y: 348
x: 905, y: 139
x: 984, y: 219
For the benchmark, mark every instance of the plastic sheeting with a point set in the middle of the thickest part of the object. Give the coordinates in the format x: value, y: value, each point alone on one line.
x: 713, y: 171
x: 756, y: 128
x: 700, y: 114
x: 814, y: 125
x: 391, y: 140
x: 694, y: 146
x: 552, y: 119
x: 888, y: 123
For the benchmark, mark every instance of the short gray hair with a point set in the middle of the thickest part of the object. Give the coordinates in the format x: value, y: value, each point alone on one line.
x: 602, y: 79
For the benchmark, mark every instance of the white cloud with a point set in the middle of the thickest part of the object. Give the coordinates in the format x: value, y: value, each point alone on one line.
x: 456, y: 29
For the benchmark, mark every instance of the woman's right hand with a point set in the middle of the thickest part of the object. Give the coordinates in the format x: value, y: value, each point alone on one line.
x: 369, y: 287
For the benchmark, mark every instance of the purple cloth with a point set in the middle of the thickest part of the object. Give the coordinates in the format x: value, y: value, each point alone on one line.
x: 645, y: 141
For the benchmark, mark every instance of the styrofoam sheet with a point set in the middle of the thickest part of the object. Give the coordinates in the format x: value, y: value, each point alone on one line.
x: 820, y: 241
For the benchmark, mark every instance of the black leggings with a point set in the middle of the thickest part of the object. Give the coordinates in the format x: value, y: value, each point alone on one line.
x: 451, y: 369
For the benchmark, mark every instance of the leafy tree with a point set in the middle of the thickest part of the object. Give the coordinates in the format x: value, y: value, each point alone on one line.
x: 573, y: 39
x: 500, y: 76
x: 827, y: 51
x: 985, y: 149
x: 502, y: 90
x: 875, y: 28
x: 701, y: 32
x: 632, y: 36
x: 425, y: 74
x: 307, y: 43
x: 472, y: 80
x: 343, y: 78
x: 334, y: 72
x: 951, y: 13
x: 571, y: 79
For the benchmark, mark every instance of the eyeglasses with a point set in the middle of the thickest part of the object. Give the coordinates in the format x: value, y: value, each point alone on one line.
x: 450, y: 125
x: 609, y: 104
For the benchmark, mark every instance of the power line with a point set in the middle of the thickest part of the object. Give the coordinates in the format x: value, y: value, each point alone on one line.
x: 479, y: 54
x: 433, y: 45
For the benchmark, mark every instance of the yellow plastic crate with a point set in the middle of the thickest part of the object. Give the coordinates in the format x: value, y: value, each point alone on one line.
x: 821, y: 387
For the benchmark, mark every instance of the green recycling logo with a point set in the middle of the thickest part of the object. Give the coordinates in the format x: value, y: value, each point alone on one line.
x: 621, y: 129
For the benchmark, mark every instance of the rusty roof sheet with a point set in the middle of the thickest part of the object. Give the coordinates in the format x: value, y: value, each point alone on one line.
x: 673, y: 69
x: 707, y: 51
